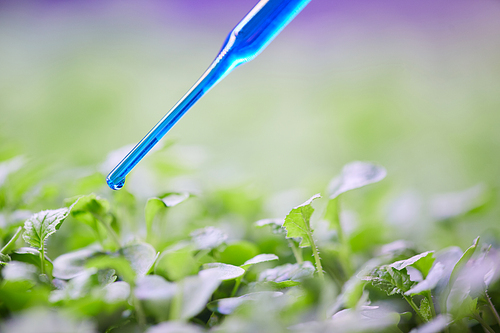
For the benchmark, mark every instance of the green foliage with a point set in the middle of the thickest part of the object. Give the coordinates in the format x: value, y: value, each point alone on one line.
x: 43, y: 224
x: 390, y: 280
x: 423, y: 262
x: 156, y: 205
x: 206, y: 264
x: 298, y: 225
x: 288, y: 274
x: 238, y: 252
x: 259, y: 259
x: 176, y: 263
x: 223, y: 272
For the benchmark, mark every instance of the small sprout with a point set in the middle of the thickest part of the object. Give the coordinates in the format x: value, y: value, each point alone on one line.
x: 298, y: 225
x: 40, y: 226
x: 355, y: 175
x: 155, y: 205
x: 43, y: 224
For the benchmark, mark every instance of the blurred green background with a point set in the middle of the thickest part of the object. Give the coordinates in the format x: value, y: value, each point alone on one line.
x: 414, y: 87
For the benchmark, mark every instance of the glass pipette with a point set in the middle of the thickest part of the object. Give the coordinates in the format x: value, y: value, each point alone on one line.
x: 254, y: 32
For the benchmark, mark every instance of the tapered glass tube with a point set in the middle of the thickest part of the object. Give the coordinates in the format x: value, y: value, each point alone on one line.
x: 254, y: 32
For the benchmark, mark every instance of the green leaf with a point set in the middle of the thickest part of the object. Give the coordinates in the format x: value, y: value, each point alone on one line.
x: 461, y: 307
x: 19, y: 271
x: 119, y: 264
x: 437, y: 272
x: 355, y: 175
x: 11, y: 243
x: 332, y: 214
x: 462, y: 261
x: 297, y: 222
x: 223, y: 272
x: 90, y: 207
x: 19, y: 294
x: 238, y: 252
x: 288, y: 272
x: 352, y: 290
x: 176, y: 263
x: 208, y: 238
x: 425, y: 309
x: 82, y: 284
x: 154, y: 287
x: 32, y: 256
x: 155, y: 205
x: 43, y: 224
x: 437, y: 324
x: 4, y: 259
x: 118, y: 291
x: 95, y: 212
x: 258, y: 259
x: 197, y: 291
x: 423, y: 262
x: 457, y: 296
x: 141, y: 257
x: 156, y: 294
x: 71, y: 264
x: 227, y: 306
x: 390, y: 280
x: 275, y: 224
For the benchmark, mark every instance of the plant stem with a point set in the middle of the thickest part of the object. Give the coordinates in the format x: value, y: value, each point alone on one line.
x: 492, y: 307
x: 110, y: 230
x: 236, y: 285
x: 317, y: 259
x: 344, y: 252
x: 113, y: 234
x: 141, y: 318
x: 175, y: 306
x: 414, y: 307
x: 98, y: 234
x: 42, y: 259
x: 485, y: 325
x: 201, y: 254
x: 297, y: 252
x: 12, y: 240
x: 428, y: 295
x: 213, y: 320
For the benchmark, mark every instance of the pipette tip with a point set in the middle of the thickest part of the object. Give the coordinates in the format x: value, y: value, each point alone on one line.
x: 113, y: 185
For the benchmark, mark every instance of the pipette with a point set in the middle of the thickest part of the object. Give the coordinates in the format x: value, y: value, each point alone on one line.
x: 254, y: 32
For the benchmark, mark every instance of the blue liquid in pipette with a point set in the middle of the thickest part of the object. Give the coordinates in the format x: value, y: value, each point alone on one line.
x: 255, y: 31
